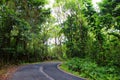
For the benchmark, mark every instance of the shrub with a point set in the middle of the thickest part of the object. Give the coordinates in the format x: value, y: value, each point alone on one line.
x: 88, y: 68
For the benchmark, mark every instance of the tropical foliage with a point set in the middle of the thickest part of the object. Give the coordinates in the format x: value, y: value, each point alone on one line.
x: 30, y: 32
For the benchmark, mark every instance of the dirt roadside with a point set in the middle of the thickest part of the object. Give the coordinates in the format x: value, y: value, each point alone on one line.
x: 7, y: 71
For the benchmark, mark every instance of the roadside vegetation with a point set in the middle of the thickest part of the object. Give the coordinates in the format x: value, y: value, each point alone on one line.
x: 88, y: 69
x: 40, y: 30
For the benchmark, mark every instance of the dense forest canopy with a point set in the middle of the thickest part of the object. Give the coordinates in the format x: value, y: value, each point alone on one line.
x: 37, y: 30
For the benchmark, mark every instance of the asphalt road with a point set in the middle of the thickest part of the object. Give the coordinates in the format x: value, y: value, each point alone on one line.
x: 43, y: 71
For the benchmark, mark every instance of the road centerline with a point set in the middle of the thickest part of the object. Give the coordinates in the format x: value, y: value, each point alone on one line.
x: 49, y: 77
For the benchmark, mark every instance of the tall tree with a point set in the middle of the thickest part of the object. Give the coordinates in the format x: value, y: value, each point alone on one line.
x: 20, y: 22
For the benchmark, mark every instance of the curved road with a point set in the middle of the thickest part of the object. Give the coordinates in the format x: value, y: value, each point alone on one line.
x: 43, y: 71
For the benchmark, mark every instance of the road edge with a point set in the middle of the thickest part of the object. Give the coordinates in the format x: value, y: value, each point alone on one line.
x: 58, y: 67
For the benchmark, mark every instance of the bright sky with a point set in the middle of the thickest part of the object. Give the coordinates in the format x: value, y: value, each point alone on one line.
x: 95, y: 3
x: 51, y: 2
x: 50, y: 5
